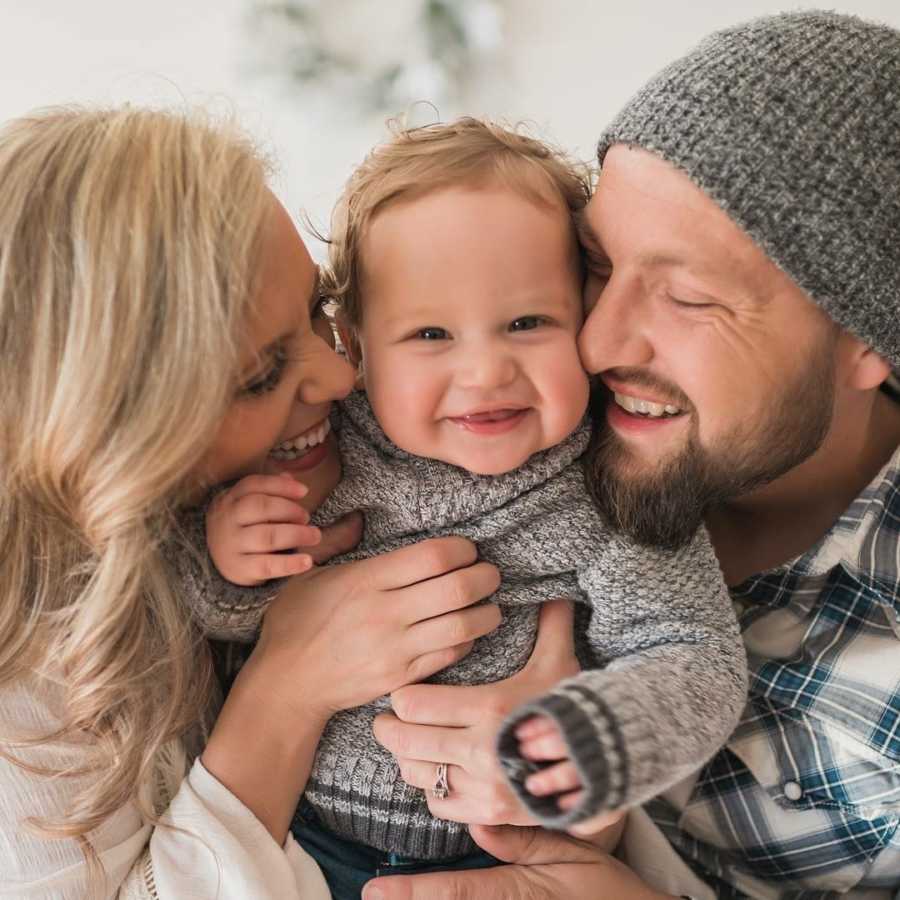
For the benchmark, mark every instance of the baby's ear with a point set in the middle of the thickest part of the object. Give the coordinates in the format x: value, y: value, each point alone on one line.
x: 348, y: 336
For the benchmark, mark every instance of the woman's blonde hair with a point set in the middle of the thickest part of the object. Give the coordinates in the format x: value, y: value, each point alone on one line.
x: 417, y: 161
x: 129, y: 243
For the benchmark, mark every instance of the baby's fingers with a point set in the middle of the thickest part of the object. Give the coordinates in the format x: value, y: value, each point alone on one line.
x: 546, y: 745
x: 558, y: 779
x: 272, y: 485
x: 265, y: 567
x: 535, y: 727
x: 270, y: 538
x: 252, y: 509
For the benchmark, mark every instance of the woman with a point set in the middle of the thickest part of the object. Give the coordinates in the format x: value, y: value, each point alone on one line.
x: 160, y: 332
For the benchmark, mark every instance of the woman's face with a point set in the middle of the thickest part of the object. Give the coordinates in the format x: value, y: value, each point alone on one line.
x: 290, y: 374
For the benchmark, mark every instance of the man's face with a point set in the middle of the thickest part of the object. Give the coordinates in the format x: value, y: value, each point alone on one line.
x: 716, y: 372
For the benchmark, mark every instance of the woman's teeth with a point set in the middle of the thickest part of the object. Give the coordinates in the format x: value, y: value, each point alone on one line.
x: 645, y: 407
x: 302, y: 444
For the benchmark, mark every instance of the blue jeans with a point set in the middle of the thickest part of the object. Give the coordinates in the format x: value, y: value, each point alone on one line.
x: 347, y: 866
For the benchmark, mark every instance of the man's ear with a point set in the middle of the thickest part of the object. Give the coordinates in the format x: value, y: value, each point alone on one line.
x: 349, y: 339
x: 868, y: 369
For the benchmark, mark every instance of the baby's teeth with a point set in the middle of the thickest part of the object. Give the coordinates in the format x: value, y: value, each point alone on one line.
x: 672, y: 410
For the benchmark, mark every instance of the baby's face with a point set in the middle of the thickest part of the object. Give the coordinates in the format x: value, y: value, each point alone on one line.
x: 471, y: 308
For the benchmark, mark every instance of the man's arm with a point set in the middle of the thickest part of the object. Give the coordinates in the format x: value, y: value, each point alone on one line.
x: 542, y: 866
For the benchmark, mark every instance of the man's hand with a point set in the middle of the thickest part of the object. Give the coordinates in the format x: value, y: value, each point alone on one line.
x: 458, y: 726
x: 544, y: 865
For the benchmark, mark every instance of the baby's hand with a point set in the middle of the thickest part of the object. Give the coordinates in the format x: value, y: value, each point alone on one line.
x: 541, y: 741
x: 249, y: 523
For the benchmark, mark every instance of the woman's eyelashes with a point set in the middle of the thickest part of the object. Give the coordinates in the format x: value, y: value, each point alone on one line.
x: 270, y: 378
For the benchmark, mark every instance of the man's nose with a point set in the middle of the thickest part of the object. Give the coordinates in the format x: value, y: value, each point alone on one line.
x: 615, y: 332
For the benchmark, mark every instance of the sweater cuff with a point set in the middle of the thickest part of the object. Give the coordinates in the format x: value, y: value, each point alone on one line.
x: 597, y: 743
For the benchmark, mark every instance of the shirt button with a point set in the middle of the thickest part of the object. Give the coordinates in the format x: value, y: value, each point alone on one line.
x: 792, y: 790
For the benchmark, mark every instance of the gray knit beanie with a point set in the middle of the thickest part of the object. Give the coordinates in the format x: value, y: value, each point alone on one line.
x: 791, y: 123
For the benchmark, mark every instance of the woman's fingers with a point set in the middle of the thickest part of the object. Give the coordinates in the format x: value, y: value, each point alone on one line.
x: 428, y: 664
x: 339, y: 537
x: 452, y: 628
x: 467, y: 800
x: 554, y: 646
x: 435, y: 745
x: 269, y: 538
x: 446, y: 593
x: 418, y: 562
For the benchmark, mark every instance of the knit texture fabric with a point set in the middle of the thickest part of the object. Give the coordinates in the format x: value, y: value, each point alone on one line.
x: 666, y: 672
x: 791, y: 124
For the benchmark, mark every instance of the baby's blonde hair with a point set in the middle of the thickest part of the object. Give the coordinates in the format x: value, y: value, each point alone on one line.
x: 416, y: 161
x: 129, y: 244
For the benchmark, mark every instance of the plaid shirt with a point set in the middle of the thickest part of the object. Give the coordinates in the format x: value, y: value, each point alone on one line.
x: 804, y: 800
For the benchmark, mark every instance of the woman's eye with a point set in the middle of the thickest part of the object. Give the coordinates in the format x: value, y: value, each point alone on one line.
x: 525, y: 323
x: 270, y: 379
x: 431, y: 334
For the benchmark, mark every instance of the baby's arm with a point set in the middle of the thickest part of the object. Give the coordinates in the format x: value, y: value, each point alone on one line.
x: 221, y: 609
x: 669, y: 696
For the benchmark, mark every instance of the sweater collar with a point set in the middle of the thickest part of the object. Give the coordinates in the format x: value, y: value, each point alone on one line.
x: 446, y: 493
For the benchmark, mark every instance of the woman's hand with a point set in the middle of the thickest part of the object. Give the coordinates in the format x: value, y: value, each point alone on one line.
x: 341, y: 636
x: 458, y: 726
x: 543, y: 865
x: 335, y: 638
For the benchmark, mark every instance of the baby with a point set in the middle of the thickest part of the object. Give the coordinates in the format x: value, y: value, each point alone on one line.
x: 457, y: 277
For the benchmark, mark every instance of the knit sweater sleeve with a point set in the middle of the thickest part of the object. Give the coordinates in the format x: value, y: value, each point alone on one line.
x: 222, y: 610
x: 668, y: 688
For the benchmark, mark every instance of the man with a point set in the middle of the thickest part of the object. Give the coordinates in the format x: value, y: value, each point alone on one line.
x: 743, y: 249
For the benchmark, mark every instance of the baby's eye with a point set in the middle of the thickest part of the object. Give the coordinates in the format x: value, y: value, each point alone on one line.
x: 431, y: 334
x: 525, y: 323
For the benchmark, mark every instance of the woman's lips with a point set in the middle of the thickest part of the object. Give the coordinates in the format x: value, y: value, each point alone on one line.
x: 309, y: 460
x: 496, y: 421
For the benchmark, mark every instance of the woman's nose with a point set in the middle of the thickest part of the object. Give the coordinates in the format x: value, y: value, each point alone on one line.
x: 330, y: 377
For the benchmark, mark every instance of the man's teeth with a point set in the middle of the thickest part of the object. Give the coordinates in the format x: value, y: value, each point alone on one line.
x: 645, y: 407
x: 301, y: 445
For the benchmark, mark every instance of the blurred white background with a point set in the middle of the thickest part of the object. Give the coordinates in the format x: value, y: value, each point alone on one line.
x: 565, y: 66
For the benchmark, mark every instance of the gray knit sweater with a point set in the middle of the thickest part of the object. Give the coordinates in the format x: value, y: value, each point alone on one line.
x: 665, y: 672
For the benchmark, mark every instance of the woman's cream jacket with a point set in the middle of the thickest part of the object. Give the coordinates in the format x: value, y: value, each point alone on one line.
x: 215, y: 847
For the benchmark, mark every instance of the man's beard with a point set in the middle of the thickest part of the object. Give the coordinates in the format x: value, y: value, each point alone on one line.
x: 665, y: 507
